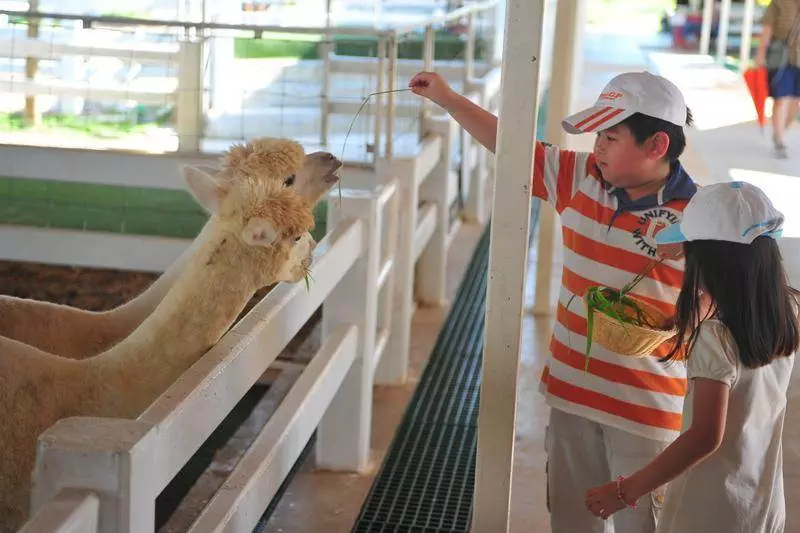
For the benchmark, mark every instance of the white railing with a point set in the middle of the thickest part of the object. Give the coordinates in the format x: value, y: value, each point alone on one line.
x: 71, y: 511
x: 386, y: 242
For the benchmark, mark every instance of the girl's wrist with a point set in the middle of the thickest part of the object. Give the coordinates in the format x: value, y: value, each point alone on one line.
x: 629, y: 491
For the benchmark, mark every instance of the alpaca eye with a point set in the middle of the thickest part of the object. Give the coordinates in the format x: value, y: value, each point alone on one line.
x: 288, y: 182
x: 297, y: 239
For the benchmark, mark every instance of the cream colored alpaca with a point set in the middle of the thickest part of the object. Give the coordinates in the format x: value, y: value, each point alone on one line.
x: 78, y: 333
x: 258, y: 234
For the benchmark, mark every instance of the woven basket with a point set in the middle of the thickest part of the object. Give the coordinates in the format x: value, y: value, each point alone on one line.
x: 630, y: 339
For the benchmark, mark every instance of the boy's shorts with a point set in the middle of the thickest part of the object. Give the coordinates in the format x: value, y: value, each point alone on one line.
x: 786, y: 82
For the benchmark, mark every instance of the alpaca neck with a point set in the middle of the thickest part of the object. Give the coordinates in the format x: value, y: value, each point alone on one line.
x: 130, y: 315
x: 205, y: 300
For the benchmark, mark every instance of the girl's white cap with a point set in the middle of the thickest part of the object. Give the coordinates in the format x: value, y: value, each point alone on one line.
x: 730, y: 211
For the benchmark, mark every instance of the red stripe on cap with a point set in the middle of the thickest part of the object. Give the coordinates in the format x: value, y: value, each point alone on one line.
x: 591, y: 117
x: 603, y: 120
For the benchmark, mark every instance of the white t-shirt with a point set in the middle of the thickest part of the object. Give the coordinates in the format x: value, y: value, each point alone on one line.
x: 739, y: 488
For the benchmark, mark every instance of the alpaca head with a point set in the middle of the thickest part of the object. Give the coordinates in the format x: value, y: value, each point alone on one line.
x: 283, y: 161
x: 264, y: 223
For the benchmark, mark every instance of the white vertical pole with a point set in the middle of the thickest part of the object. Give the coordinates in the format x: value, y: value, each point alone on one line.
x: 722, y: 33
x: 507, y: 262
x: 747, y: 34
x: 189, y: 105
x: 393, y: 366
x: 428, y: 54
x: 431, y: 272
x: 705, y: 29
x: 343, y: 435
x: 392, y: 85
x: 569, y: 16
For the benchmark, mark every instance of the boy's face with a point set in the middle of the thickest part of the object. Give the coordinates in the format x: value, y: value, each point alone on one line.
x: 622, y: 161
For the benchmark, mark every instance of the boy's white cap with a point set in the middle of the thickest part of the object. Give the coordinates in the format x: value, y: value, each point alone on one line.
x: 733, y: 211
x: 626, y: 94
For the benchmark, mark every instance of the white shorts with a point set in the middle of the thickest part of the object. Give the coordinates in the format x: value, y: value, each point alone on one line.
x: 582, y: 454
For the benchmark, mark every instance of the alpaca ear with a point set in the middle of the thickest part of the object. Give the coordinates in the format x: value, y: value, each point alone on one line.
x: 204, y: 186
x: 259, y: 232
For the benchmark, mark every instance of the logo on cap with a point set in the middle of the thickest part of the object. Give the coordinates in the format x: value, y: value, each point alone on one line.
x: 611, y: 95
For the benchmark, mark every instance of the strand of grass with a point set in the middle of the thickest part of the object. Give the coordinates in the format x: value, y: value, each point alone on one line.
x: 352, y: 123
x: 589, y: 330
x: 640, y: 276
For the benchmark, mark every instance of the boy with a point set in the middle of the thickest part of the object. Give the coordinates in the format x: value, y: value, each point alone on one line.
x: 619, y: 415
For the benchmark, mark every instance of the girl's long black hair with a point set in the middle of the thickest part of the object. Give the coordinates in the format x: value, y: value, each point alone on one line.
x: 749, y: 292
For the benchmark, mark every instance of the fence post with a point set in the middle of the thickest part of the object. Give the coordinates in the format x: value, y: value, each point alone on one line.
x: 431, y: 275
x: 221, y: 56
x: 393, y: 366
x: 189, y: 100
x: 112, y: 458
x: 473, y: 163
x: 343, y: 435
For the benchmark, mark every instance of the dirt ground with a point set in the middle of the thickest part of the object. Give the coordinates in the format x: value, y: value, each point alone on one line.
x: 86, y: 288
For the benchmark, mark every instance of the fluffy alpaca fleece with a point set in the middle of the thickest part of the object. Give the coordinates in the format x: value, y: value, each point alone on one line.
x: 257, y: 235
x: 78, y: 333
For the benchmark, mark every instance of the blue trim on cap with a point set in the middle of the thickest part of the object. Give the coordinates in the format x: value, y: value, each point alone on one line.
x: 776, y: 223
x: 671, y: 235
x: 775, y: 234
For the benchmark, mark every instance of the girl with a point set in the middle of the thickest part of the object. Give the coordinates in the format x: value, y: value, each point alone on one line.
x: 727, y: 462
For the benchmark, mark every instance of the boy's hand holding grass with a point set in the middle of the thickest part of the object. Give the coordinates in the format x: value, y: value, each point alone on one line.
x: 433, y: 87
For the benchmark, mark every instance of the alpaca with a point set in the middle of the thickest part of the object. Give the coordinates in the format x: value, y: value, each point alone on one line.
x: 258, y: 235
x: 77, y: 333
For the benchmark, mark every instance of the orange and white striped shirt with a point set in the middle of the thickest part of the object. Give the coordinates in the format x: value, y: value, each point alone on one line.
x: 608, y: 239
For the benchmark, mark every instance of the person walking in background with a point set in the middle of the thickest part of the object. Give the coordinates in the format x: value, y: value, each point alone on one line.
x: 779, y: 51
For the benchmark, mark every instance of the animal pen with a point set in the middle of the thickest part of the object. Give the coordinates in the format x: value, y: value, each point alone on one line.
x: 100, y: 114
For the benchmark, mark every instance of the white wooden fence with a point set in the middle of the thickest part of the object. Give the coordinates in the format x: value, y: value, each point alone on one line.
x: 386, y: 250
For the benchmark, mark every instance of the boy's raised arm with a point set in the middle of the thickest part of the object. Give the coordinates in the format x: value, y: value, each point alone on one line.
x: 479, y: 123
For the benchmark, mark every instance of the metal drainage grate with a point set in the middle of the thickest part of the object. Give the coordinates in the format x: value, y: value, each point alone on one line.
x: 426, y: 482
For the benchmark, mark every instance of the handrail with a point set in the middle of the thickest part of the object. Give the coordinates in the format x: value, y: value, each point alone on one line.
x: 447, y: 17
x: 257, y: 29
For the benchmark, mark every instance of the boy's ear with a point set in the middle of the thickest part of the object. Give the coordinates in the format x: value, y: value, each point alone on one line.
x: 659, y: 145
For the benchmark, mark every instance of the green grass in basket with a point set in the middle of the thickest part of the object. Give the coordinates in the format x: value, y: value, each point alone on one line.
x: 617, y: 305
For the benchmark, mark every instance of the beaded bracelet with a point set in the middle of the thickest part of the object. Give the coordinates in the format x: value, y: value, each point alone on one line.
x: 621, y: 496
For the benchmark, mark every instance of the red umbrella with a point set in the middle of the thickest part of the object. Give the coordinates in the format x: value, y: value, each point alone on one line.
x: 757, y: 84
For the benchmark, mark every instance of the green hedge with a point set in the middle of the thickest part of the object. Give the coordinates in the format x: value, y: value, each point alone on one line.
x: 307, y: 47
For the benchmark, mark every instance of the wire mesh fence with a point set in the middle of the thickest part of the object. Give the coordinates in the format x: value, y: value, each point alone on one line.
x: 99, y: 87
x: 110, y: 84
